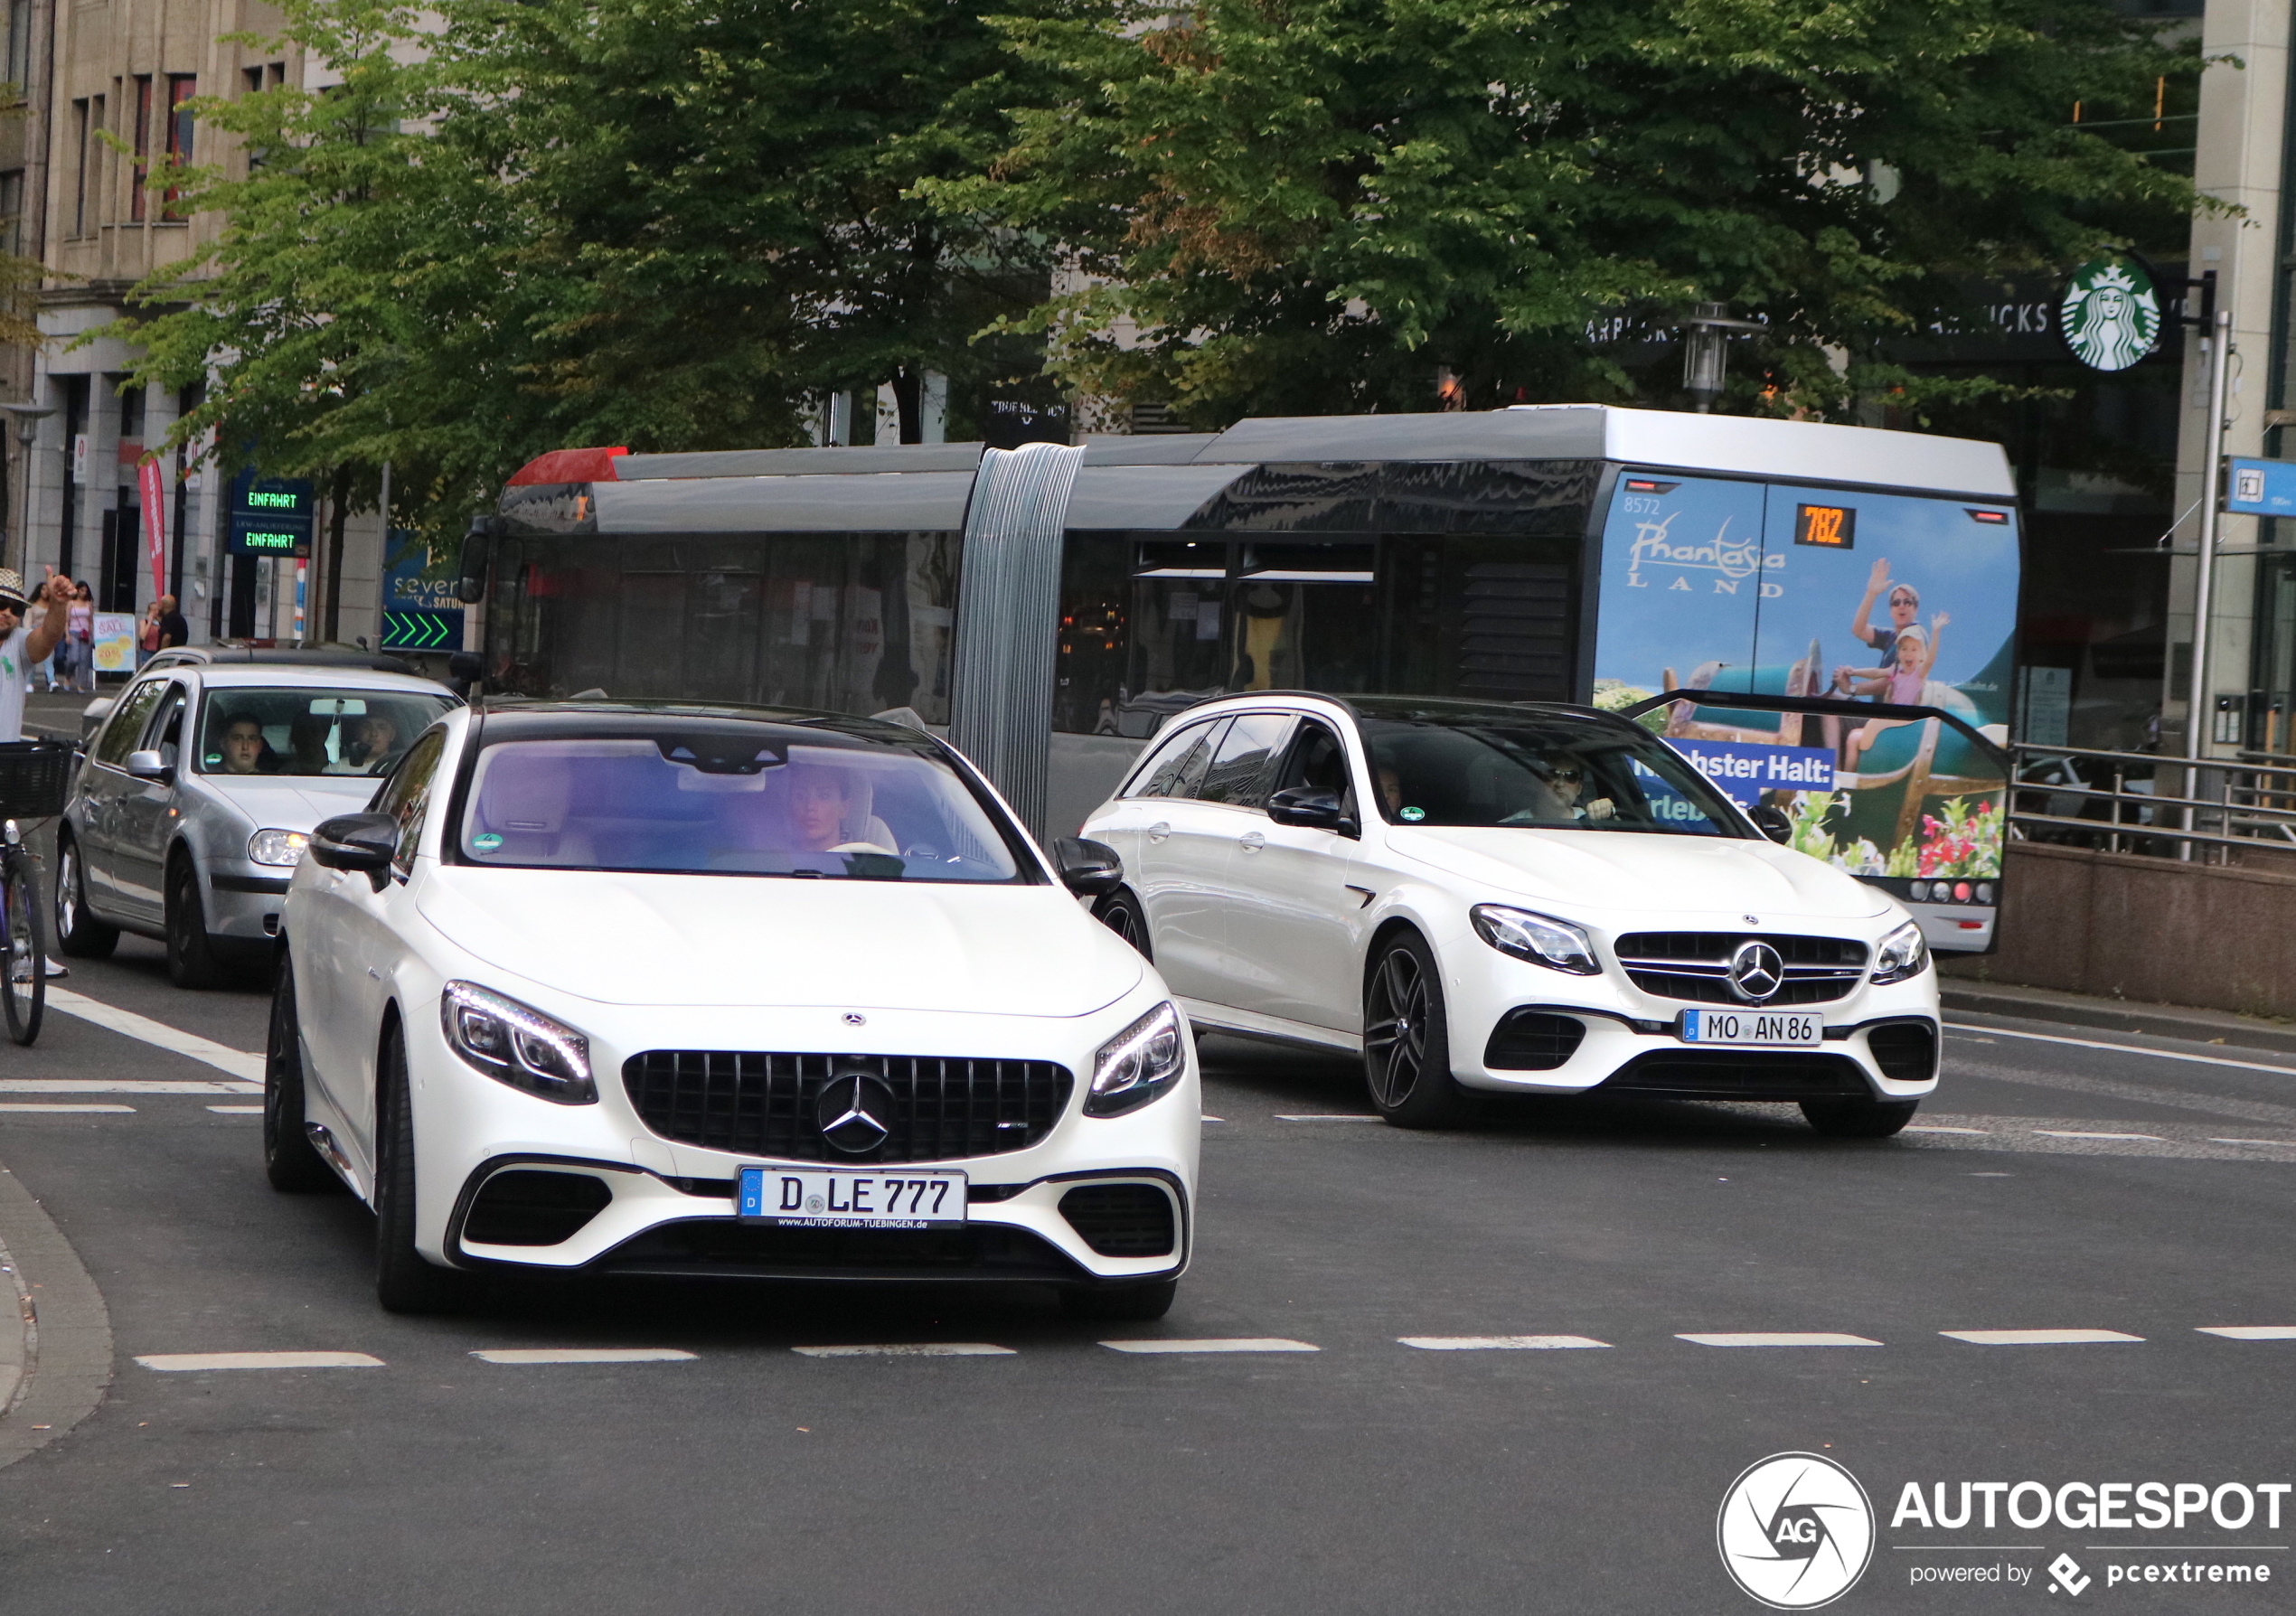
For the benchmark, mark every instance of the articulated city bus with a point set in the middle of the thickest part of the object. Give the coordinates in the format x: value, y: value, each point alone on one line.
x: 1555, y: 553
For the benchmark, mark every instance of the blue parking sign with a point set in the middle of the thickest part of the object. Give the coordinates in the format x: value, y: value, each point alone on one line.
x: 2262, y: 488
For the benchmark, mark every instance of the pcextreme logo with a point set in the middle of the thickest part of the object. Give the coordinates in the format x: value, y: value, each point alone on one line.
x: 1795, y: 1531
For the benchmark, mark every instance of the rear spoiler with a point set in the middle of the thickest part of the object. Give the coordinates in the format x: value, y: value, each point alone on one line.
x: 1823, y: 706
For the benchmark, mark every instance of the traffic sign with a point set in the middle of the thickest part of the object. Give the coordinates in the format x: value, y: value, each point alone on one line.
x: 2263, y: 488
x: 422, y: 631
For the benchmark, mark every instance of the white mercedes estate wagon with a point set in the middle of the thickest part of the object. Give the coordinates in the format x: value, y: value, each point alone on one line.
x: 1510, y: 897
x: 615, y: 987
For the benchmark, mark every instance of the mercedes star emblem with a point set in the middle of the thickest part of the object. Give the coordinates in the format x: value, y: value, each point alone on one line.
x: 1757, y: 972
x: 854, y: 1111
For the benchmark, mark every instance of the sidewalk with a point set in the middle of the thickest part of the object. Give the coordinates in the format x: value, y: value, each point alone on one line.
x: 2117, y: 1015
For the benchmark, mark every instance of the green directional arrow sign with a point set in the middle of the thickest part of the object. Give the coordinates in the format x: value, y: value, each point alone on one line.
x: 421, y: 630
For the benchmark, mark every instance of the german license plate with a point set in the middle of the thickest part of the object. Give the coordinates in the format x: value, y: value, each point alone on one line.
x: 1769, y: 1029
x: 803, y: 1199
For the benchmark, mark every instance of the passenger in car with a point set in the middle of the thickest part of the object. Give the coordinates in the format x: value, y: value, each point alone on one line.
x: 829, y: 808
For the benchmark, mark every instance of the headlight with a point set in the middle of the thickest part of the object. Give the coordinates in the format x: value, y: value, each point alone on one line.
x: 515, y: 1044
x: 1542, y: 940
x: 1138, y: 1063
x: 1902, y: 953
x: 277, y: 846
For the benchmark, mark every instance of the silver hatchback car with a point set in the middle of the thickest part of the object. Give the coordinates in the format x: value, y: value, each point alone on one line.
x: 198, y: 793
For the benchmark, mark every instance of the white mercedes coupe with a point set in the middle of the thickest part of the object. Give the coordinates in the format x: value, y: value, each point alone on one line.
x: 640, y: 989
x: 1509, y: 898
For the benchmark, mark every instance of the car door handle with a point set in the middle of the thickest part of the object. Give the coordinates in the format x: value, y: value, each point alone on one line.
x: 1159, y: 830
x: 1251, y: 841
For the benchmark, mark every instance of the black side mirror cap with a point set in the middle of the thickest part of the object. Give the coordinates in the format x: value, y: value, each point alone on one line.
x: 1772, y: 821
x: 1087, y: 868
x: 1311, y: 809
x: 364, y: 842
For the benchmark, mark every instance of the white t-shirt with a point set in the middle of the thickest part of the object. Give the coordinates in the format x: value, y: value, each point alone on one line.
x: 13, y: 677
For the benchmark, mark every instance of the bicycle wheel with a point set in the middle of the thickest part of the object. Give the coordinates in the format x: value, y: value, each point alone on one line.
x: 24, y: 984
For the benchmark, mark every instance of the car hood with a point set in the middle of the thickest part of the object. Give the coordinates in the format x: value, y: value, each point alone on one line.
x: 1595, y: 870
x: 627, y: 938
x: 294, y: 805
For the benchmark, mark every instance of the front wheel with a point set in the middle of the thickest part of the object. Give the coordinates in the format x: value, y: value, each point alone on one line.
x: 1121, y: 913
x: 1859, y: 1116
x: 78, y: 932
x: 25, y: 989
x: 289, y: 1160
x: 1407, y: 1037
x: 191, y: 956
x: 406, y: 1281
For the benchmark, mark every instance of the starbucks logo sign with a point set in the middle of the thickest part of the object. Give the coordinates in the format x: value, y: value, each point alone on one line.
x: 2110, y: 313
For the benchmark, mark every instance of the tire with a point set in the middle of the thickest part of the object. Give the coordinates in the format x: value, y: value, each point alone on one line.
x: 192, y: 960
x: 1861, y: 1117
x: 1120, y: 1304
x: 406, y: 1281
x: 1407, y: 1037
x: 79, y: 934
x: 1121, y: 913
x: 23, y: 971
x: 290, y: 1161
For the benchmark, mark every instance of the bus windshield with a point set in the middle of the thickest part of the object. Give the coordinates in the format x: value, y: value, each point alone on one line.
x: 787, y: 805
x: 1548, y: 773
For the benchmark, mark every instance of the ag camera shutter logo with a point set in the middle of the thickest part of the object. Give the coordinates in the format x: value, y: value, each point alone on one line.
x: 1795, y: 1531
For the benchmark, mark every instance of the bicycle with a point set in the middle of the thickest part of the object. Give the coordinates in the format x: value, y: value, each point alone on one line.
x: 33, y: 778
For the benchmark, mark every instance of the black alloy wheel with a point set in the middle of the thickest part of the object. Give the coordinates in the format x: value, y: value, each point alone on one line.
x: 79, y: 934
x: 1407, y: 1037
x: 1121, y: 913
x: 1859, y: 1116
x: 191, y: 956
x: 1119, y: 1304
x: 24, y: 971
x: 406, y: 1281
x: 290, y: 1161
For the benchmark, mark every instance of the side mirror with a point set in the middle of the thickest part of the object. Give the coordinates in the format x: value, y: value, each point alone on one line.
x: 1087, y: 868
x: 1772, y: 821
x: 364, y: 842
x: 149, y: 765
x: 478, y: 554
x: 1307, y: 807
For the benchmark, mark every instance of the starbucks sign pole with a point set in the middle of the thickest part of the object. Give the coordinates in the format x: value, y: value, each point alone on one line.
x: 2204, y: 586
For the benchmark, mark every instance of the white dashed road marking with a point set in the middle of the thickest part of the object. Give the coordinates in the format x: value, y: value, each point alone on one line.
x: 583, y: 1355
x: 121, y: 1085
x: 2251, y: 1332
x: 78, y: 1108
x: 1815, y: 1337
x: 239, y: 1063
x: 171, y: 1361
x: 2037, y: 1337
x: 909, y: 1349
x: 1325, y: 1116
x: 1931, y: 1128
x: 233, y: 1110
x: 1498, y: 1343
x: 2076, y: 1133
x: 1234, y: 1344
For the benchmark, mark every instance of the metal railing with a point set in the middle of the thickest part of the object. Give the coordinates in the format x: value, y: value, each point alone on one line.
x: 2164, y: 807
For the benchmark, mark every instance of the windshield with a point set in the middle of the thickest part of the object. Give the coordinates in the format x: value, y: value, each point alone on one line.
x: 304, y: 731
x: 1554, y: 774
x: 775, y: 801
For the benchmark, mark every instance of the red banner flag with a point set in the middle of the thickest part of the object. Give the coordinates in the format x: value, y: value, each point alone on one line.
x: 151, y: 485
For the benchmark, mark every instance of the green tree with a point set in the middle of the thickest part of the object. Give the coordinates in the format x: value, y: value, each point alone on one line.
x: 1305, y: 206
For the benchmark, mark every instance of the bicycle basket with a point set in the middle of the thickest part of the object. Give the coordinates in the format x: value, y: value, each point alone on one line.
x: 33, y: 776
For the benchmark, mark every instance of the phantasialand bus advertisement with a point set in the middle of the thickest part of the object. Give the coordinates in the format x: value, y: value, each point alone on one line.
x: 1571, y: 553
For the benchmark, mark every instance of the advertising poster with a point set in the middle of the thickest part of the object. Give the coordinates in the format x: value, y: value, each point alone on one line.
x: 115, y: 641
x: 1712, y: 584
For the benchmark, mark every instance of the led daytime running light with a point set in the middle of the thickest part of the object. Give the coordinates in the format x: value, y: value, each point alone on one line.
x: 516, y: 1044
x: 1903, y: 954
x: 1138, y: 1063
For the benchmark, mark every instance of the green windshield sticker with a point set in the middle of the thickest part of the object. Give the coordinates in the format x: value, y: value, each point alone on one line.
x: 486, y: 842
x: 1414, y: 814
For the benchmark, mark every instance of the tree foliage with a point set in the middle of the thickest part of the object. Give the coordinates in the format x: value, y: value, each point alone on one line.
x: 1304, y: 206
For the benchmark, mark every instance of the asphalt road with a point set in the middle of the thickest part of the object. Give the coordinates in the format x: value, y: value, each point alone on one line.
x: 2142, y: 1188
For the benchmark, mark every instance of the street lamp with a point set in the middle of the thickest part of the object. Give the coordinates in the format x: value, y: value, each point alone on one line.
x: 28, y: 419
x: 1705, y: 334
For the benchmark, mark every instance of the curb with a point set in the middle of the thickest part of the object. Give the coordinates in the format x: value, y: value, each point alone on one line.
x: 55, y: 1366
x: 2155, y: 1020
